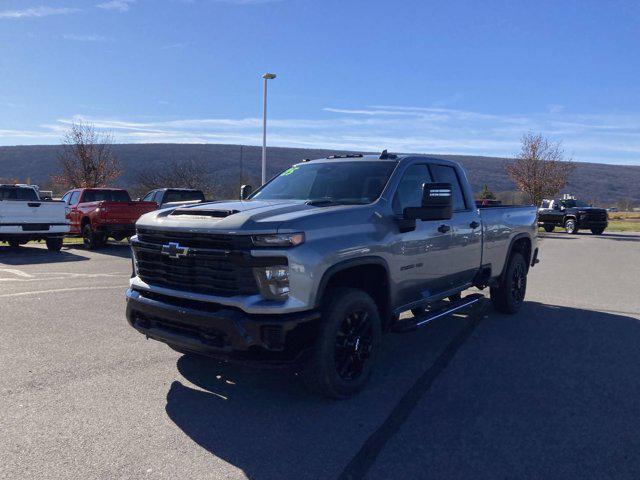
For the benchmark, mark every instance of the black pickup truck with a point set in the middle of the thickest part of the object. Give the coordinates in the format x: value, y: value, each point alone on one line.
x: 572, y: 215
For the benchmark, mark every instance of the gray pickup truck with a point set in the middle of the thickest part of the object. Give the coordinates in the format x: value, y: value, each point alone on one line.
x: 313, y: 267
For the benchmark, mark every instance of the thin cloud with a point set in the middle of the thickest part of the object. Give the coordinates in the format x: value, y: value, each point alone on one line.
x: 37, y: 12
x: 117, y: 5
x: 607, y: 138
x: 84, y: 38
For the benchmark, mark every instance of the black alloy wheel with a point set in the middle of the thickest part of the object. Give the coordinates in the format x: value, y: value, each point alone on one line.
x: 354, y: 343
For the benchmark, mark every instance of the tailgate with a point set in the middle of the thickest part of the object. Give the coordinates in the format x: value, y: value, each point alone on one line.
x: 126, y: 212
x: 36, y: 212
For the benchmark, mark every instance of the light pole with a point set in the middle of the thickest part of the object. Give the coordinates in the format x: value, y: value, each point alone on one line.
x: 266, y: 76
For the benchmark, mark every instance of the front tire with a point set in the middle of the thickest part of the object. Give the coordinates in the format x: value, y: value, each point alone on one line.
x: 344, y: 354
x: 597, y: 231
x: 570, y: 226
x: 549, y: 228
x: 509, y: 295
x: 54, y: 244
x: 14, y: 244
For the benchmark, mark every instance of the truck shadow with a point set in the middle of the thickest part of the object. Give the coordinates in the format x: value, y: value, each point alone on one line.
x: 34, y: 255
x: 563, y: 376
x: 114, y: 249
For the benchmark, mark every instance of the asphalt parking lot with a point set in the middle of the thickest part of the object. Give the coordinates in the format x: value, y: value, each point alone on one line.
x: 549, y: 393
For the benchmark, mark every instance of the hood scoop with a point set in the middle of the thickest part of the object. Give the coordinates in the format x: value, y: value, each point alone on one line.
x: 189, y: 212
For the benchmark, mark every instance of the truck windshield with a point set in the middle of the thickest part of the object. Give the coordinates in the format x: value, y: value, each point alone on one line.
x: 106, y: 196
x: 329, y: 182
x: 18, y: 193
x: 572, y: 203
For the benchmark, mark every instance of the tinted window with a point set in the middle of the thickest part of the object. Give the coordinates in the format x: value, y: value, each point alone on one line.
x: 356, y: 182
x: 445, y: 174
x: 149, y: 197
x: 18, y: 193
x: 106, y: 196
x: 409, y: 192
x: 572, y: 203
x: 183, y: 196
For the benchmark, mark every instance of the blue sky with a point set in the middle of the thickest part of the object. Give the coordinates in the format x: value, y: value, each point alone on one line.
x: 464, y: 77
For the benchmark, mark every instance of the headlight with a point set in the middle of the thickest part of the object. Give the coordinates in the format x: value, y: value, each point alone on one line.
x: 273, y: 281
x: 278, y: 240
x: 134, y: 262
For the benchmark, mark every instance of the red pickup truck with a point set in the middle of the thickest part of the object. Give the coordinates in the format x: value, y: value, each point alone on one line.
x: 97, y: 214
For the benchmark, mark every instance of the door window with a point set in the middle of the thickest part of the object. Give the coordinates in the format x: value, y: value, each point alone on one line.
x: 74, y: 198
x: 149, y: 197
x: 409, y: 192
x: 446, y: 174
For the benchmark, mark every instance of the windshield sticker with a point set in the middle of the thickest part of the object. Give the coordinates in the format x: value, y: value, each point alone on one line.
x: 290, y: 170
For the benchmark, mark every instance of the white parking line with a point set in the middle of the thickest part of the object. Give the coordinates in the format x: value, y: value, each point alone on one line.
x: 61, y: 290
x: 18, y: 273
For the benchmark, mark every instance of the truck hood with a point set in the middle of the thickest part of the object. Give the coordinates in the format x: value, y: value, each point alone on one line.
x: 252, y: 216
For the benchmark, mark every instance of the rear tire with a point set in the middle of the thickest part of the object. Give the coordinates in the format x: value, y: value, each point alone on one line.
x: 347, y: 346
x: 597, y: 231
x: 570, y: 226
x: 92, y: 240
x: 14, y: 244
x: 54, y: 244
x: 549, y: 228
x: 509, y: 295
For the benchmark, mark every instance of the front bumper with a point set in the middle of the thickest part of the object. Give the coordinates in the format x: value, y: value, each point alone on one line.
x: 222, y: 332
x: 592, y: 224
x: 29, y: 230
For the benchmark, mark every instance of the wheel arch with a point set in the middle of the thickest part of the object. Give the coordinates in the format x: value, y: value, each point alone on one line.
x: 520, y: 243
x: 370, y: 274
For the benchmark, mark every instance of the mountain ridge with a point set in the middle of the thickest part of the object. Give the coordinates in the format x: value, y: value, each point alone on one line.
x: 599, y: 183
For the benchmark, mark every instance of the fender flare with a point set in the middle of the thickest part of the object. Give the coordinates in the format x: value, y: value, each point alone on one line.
x: 344, y: 265
x: 510, y: 250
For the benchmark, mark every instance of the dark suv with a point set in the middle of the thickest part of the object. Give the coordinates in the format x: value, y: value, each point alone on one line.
x: 572, y: 215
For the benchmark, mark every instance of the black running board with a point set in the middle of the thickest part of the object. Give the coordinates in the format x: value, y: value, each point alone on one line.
x: 409, y: 325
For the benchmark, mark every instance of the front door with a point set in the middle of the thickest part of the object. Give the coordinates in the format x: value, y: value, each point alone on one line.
x: 420, y: 255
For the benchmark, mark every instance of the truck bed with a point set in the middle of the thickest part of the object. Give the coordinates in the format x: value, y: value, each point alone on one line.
x: 500, y: 224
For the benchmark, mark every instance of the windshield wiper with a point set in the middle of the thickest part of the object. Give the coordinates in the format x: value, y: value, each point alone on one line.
x: 325, y: 202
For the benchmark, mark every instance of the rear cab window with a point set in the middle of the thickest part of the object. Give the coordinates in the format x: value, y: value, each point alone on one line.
x: 105, y: 196
x: 24, y: 194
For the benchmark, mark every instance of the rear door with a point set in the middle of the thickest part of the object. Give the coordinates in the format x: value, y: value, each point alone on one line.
x: 464, y: 253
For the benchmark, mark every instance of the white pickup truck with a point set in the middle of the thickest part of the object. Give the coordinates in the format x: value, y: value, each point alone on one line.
x: 25, y: 217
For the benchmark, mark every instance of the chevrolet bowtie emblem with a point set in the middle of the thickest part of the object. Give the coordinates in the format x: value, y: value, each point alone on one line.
x: 174, y: 250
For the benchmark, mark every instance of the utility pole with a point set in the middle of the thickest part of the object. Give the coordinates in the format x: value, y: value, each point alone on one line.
x: 266, y: 76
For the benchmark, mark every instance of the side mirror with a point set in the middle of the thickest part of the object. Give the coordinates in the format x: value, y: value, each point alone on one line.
x: 437, y: 203
x: 245, y: 191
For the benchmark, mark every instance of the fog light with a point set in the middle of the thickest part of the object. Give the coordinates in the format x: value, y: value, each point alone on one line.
x: 273, y: 281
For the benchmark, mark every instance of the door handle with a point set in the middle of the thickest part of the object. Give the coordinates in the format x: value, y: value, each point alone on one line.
x: 444, y: 228
x: 474, y: 224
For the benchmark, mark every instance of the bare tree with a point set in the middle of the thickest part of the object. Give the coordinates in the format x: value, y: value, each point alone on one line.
x: 87, y: 159
x: 540, y: 170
